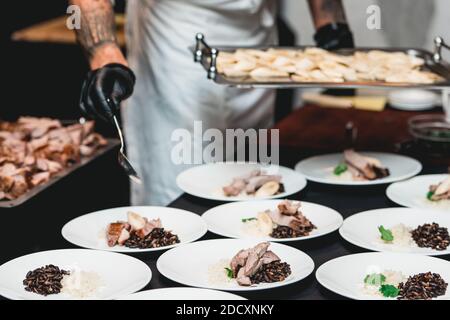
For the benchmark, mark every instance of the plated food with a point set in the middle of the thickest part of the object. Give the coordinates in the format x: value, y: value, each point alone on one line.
x: 400, y: 230
x: 286, y: 221
x: 139, y: 232
x: 318, y: 65
x: 72, y: 274
x: 238, y: 181
x: 426, y: 192
x: 272, y: 220
x: 134, y: 229
x: 33, y: 150
x: 235, y: 265
x: 51, y: 279
x: 255, y: 265
x: 358, y: 168
x: 394, y: 284
x: 257, y: 183
x: 440, y: 191
x: 182, y: 293
x: 392, y: 276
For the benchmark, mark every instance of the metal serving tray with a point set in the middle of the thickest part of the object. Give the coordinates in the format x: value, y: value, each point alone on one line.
x: 112, y: 143
x: 207, y: 57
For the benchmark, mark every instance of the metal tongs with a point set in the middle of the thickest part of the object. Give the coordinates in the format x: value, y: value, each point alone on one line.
x: 123, y: 160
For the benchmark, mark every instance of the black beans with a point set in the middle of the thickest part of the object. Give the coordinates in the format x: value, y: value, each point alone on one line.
x: 272, y: 272
x: 45, y: 280
x: 158, y: 237
x: 422, y: 286
x: 431, y: 236
x: 283, y: 232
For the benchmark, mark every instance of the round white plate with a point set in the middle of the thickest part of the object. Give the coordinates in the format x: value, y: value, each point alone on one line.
x: 412, y: 193
x: 226, y: 220
x: 412, y: 100
x: 320, y: 168
x: 120, y: 274
x: 182, y: 294
x: 89, y: 231
x: 362, y: 229
x: 345, y: 275
x: 206, y: 181
x: 191, y: 264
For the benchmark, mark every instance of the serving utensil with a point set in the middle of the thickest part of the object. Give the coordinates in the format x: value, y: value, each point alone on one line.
x: 123, y: 160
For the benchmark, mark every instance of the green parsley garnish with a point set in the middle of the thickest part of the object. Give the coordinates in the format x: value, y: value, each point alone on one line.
x: 340, y: 169
x: 230, y: 273
x: 386, y: 234
x: 389, y: 291
x: 429, y: 195
x: 248, y: 219
x: 375, y: 279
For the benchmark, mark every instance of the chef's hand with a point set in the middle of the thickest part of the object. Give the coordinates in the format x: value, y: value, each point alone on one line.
x: 104, y: 89
x: 334, y: 36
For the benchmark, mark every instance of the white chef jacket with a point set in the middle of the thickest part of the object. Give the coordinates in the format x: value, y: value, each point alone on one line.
x: 172, y: 91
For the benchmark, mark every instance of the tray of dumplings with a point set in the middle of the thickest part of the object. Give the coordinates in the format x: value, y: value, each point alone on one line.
x: 290, y: 67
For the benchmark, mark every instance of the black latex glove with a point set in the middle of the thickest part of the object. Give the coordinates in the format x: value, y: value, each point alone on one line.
x: 334, y: 36
x: 104, y: 89
x: 331, y: 37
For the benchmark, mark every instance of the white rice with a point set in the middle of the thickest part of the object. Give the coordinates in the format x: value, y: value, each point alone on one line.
x: 440, y: 205
x: 393, y: 278
x: 81, y: 284
x: 217, y: 274
x: 251, y: 228
x: 402, y: 236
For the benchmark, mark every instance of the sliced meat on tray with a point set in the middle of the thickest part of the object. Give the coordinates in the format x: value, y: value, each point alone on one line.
x: 32, y: 150
x: 364, y: 168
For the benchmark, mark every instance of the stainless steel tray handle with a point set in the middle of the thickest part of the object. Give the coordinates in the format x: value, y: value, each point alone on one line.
x: 439, y: 43
x: 203, y: 51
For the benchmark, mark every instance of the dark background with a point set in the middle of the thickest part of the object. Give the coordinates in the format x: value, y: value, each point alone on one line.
x: 41, y: 79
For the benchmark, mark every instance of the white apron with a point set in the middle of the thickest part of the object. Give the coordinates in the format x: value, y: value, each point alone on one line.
x: 172, y: 91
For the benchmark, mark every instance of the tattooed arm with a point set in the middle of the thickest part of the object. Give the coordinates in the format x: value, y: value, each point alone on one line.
x: 326, y: 11
x: 97, y: 33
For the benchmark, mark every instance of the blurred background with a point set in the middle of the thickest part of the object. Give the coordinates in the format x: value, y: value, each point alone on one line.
x: 43, y: 78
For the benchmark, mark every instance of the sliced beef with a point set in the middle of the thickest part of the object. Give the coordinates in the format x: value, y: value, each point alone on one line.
x: 441, y: 191
x: 116, y: 231
x: 289, y: 208
x: 370, y: 168
x: 149, y: 226
x: 39, y: 148
x: 257, y: 182
x: 239, y: 183
x: 40, y: 178
x: 289, y: 215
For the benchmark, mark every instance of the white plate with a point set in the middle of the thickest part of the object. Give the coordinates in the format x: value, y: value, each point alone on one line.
x: 226, y: 220
x: 345, y: 275
x: 412, y: 100
x: 412, y: 193
x: 120, y: 274
x: 206, y: 181
x: 362, y: 229
x: 89, y: 231
x: 182, y: 294
x: 190, y: 264
x: 320, y: 168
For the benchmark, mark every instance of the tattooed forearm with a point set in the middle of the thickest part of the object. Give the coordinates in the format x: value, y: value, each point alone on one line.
x: 326, y: 11
x: 97, y: 24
